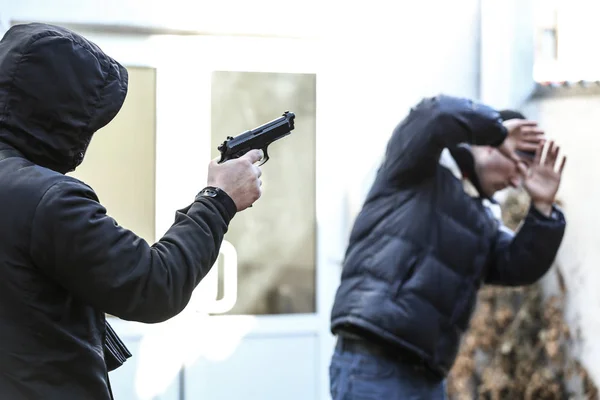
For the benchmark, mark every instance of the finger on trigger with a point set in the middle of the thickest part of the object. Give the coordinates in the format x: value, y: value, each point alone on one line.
x: 253, y: 156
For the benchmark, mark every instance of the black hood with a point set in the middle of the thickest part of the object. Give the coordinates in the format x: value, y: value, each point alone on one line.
x: 56, y: 90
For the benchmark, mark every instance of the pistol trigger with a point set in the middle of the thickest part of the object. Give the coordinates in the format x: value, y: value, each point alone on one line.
x: 265, y: 157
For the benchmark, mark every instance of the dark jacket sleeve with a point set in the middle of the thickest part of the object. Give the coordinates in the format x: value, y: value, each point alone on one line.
x: 76, y: 243
x: 524, y: 258
x: 436, y: 123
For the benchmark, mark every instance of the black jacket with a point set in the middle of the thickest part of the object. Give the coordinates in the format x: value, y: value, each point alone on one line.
x: 64, y: 262
x: 421, y: 247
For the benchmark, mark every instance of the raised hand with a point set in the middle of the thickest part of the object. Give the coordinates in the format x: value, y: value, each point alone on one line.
x: 523, y: 135
x: 542, y: 179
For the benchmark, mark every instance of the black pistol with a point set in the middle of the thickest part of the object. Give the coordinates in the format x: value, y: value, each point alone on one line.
x: 258, y: 138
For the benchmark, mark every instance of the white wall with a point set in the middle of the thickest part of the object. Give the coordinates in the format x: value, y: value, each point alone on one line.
x: 507, y: 52
x: 577, y: 31
x: 574, y: 122
x: 384, y: 59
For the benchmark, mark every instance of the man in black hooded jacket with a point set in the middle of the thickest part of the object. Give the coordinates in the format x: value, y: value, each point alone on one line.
x: 421, y: 246
x: 64, y: 262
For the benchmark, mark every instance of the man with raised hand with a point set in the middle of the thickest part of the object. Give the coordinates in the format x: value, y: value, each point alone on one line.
x: 421, y: 247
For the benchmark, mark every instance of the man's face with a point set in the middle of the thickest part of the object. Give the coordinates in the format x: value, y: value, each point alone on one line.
x: 494, y: 170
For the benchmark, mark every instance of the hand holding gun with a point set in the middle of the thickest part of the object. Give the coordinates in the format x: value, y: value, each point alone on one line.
x: 258, y: 138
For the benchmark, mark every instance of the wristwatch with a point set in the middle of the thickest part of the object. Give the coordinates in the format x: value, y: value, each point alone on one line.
x: 220, y: 195
x: 211, y: 191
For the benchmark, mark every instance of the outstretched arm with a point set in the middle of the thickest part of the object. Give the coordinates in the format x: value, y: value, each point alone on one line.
x: 109, y: 267
x: 83, y: 249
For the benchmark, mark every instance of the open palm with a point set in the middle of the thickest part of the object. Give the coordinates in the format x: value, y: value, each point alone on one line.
x: 542, y: 179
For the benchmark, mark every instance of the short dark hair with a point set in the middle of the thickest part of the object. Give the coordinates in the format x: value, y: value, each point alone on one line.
x: 510, y: 114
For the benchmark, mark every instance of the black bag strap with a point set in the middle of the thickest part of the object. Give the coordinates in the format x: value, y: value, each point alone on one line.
x: 115, y: 351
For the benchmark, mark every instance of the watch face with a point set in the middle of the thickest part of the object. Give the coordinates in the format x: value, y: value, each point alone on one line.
x: 209, y: 192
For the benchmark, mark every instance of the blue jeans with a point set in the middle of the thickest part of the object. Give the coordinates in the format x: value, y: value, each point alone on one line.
x: 358, y: 376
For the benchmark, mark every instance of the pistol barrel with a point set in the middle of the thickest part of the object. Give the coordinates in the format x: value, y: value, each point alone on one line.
x: 258, y: 138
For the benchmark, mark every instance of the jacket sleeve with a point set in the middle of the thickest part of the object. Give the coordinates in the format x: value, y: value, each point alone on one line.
x: 524, y: 258
x: 83, y: 249
x: 436, y: 123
